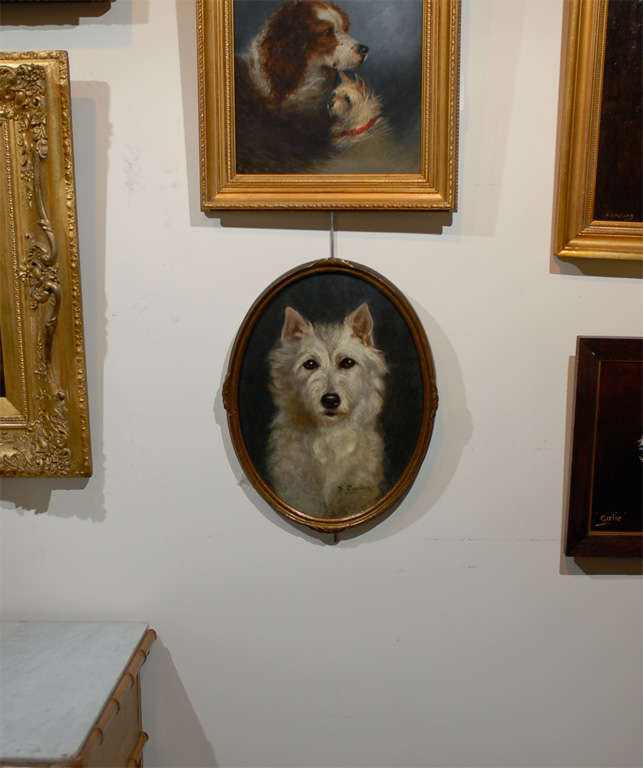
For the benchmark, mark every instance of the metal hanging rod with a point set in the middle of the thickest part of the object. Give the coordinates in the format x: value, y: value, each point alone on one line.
x: 332, y: 234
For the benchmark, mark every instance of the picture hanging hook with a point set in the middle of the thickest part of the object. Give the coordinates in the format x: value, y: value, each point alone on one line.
x: 332, y: 234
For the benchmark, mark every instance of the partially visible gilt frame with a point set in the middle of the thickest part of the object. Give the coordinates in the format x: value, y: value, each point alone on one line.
x: 576, y: 233
x: 434, y: 187
x: 44, y: 420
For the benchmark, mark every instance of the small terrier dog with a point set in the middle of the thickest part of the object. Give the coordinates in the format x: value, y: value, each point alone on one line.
x: 325, y: 450
x: 356, y: 112
x: 361, y: 137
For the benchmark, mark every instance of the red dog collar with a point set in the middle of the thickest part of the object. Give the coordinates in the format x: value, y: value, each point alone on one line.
x: 363, y: 129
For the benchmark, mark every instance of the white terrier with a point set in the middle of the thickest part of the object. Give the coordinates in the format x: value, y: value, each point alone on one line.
x: 325, y: 452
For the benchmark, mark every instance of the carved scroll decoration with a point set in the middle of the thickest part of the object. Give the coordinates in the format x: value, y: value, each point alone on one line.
x: 41, y: 445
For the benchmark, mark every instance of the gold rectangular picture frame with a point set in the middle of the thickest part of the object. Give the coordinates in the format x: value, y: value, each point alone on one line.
x: 578, y: 231
x: 430, y: 184
x: 44, y: 419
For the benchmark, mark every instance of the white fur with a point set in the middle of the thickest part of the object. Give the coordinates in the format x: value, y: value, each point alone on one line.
x: 327, y: 462
x: 346, y: 54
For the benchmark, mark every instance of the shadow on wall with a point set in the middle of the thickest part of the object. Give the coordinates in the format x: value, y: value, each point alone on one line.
x: 596, y: 267
x: 34, y: 495
x: 439, y: 466
x: 165, y: 700
x: 603, y: 566
x: 90, y: 110
x: 421, y: 223
x: 61, y: 13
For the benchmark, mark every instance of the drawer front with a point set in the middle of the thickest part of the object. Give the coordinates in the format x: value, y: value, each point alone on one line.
x: 122, y: 733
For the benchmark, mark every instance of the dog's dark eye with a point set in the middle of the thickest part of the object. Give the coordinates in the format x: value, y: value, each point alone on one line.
x: 311, y: 364
x: 348, y: 99
x: 347, y: 362
x: 328, y: 32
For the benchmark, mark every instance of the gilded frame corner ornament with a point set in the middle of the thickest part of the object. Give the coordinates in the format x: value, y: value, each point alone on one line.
x: 434, y: 187
x: 576, y: 231
x: 44, y: 419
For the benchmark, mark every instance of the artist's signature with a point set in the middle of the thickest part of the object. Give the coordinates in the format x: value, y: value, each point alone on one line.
x: 609, y: 519
x: 348, y: 488
x: 611, y: 216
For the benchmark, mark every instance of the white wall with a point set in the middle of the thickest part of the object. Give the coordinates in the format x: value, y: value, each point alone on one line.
x: 453, y: 633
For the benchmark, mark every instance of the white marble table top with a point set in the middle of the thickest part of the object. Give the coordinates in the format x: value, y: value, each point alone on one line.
x: 55, y: 678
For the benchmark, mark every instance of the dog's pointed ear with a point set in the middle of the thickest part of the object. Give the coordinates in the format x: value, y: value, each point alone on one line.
x: 360, y: 322
x: 295, y: 326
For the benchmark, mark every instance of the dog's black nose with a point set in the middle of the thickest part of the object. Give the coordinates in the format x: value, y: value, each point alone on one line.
x: 362, y: 50
x: 330, y: 400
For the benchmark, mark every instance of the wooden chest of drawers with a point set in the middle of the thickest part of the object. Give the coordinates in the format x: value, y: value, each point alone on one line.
x: 71, y: 694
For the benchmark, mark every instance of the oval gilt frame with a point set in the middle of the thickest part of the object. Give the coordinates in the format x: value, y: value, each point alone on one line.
x: 331, y: 295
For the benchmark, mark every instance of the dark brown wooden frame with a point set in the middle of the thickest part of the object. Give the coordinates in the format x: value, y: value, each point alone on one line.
x: 394, y: 495
x: 591, y: 352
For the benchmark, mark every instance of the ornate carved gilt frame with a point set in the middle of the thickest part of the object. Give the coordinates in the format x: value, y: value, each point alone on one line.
x: 44, y: 421
x: 435, y: 187
x: 576, y: 232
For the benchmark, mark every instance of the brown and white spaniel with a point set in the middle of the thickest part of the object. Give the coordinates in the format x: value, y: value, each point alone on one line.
x: 282, y: 83
x: 294, y: 60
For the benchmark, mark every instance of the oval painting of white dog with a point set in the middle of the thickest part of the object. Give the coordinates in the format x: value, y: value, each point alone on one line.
x: 328, y: 87
x: 331, y: 395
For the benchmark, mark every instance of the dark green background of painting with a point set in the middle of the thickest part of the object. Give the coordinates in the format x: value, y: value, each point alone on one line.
x: 618, y: 471
x: 619, y: 181
x: 326, y: 298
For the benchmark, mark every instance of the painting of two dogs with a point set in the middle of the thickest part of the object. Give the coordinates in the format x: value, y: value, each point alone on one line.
x: 301, y: 104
